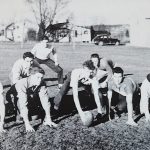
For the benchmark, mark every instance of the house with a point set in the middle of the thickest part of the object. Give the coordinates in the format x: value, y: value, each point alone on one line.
x: 2, y: 32
x: 15, y: 31
x: 140, y: 32
x: 67, y: 32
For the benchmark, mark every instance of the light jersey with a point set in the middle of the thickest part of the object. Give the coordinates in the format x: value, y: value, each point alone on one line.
x: 22, y: 87
x: 100, y: 74
x: 19, y: 71
x: 145, y: 88
x: 128, y: 86
x: 1, y: 88
x: 78, y: 75
x: 41, y: 51
x: 105, y: 62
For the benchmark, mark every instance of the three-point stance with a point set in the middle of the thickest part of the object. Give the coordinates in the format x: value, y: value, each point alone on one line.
x: 145, y: 95
x: 84, y: 76
x: 23, y: 89
x: 122, y: 90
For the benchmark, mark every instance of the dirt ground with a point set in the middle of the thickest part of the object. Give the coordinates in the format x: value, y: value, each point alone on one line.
x: 70, y: 133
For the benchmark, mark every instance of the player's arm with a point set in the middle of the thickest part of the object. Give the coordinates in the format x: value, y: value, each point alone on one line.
x: 109, y: 95
x: 16, y: 71
x: 129, y: 99
x: 46, y: 106
x: 95, y: 87
x: 22, y: 101
x: 144, y: 102
x: 2, y: 109
x: 54, y: 52
x: 105, y: 64
x: 74, y: 80
x: 33, y: 51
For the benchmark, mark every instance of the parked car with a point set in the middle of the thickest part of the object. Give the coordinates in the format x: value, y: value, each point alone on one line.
x: 105, y: 39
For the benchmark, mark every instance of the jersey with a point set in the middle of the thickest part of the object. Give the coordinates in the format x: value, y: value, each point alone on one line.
x: 19, y: 71
x: 41, y: 51
x: 127, y: 86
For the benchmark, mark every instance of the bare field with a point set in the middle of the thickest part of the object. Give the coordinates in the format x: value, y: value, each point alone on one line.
x: 70, y: 133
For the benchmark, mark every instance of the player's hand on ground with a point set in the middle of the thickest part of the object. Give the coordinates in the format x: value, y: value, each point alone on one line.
x: 29, y: 128
x: 148, y: 118
x: 132, y: 123
x: 1, y: 128
x: 50, y: 123
x: 109, y: 117
x: 82, y: 116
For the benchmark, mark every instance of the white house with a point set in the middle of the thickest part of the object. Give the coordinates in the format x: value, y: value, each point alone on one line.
x: 16, y: 31
x: 67, y: 32
x: 140, y: 32
x: 81, y: 34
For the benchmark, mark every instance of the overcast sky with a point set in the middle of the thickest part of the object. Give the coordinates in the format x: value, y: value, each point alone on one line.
x: 85, y: 12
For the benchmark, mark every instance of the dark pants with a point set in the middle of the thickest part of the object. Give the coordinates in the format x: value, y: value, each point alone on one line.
x: 119, y: 101
x: 64, y: 89
x: 51, y: 64
x: 11, y: 97
x: 34, y: 104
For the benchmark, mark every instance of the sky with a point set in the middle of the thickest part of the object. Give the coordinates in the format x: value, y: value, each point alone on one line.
x: 84, y: 12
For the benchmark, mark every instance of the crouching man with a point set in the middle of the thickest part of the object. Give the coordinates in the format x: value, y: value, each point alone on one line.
x: 24, y: 87
x: 121, y: 92
x: 145, y: 95
x: 104, y: 69
x: 2, y: 109
x: 80, y: 76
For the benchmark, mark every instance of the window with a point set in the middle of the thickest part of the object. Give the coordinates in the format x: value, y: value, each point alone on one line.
x: 85, y: 32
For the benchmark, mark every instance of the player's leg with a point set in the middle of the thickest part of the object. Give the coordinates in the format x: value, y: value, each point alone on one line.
x: 63, y: 90
x: 51, y: 64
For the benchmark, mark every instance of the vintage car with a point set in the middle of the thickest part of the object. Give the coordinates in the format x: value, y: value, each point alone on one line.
x: 105, y: 39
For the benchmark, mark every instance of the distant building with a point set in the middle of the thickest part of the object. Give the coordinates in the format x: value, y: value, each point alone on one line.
x: 2, y: 32
x: 67, y: 32
x: 140, y: 32
x: 16, y: 31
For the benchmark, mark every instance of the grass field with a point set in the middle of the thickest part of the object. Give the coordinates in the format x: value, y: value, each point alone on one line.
x: 70, y: 134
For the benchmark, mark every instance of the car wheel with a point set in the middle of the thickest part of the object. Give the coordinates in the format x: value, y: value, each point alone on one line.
x: 117, y: 43
x: 96, y: 43
x: 101, y: 43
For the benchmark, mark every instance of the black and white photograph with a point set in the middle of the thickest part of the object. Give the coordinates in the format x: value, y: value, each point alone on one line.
x: 74, y: 74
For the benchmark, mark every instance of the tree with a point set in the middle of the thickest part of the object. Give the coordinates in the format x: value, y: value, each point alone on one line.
x: 45, y: 12
x: 31, y: 34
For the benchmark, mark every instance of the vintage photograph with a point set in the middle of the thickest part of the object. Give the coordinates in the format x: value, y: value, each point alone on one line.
x: 74, y: 74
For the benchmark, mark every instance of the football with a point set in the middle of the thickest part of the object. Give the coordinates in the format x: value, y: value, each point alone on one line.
x: 88, y: 119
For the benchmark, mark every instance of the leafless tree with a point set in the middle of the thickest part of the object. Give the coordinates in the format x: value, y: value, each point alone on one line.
x: 45, y: 12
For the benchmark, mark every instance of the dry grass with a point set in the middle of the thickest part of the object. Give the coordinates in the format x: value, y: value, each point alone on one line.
x: 71, y: 134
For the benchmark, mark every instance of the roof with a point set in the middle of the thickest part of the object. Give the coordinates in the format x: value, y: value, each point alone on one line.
x: 57, y: 26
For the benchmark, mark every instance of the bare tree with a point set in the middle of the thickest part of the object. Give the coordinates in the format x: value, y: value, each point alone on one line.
x: 45, y: 12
